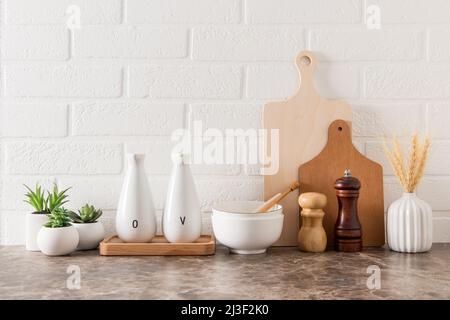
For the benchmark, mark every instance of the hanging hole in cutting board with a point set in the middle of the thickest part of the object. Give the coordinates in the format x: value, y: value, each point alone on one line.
x: 305, y: 60
x: 340, y: 128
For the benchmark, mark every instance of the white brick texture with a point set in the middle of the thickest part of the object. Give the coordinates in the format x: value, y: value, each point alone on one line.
x: 185, y: 81
x: 63, y: 158
x: 281, y: 81
x: 174, y: 11
x: 132, y: 42
x: 226, y: 116
x: 212, y: 191
x: 101, y: 192
x: 412, y: 11
x: 160, y: 162
x: 376, y: 120
x: 13, y: 190
x: 438, y: 49
x: 303, y: 11
x: 126, y: 119
x: 62, y: 81
x: 408, y: 81
x: 33, y: 120
x: 82, y: 82
x: 158, y: 151
x: 353, y: 44
x: 248, y: 43
x: 59, y: 11
x: 438, y: 117
x: 436, y: 191
x: 35, y: 43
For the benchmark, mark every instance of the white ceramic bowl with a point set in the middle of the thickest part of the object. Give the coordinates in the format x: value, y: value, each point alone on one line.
x: 244, y: 232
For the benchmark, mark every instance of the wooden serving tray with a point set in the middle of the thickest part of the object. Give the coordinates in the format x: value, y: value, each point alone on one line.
x: 159, y: 246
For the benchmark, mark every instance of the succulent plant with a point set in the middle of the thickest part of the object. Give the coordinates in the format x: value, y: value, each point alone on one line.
x: 87, y: 214
x: 56, y: 198
x: 45, y: 204
x: 36, y: 199
x: 58, y: 218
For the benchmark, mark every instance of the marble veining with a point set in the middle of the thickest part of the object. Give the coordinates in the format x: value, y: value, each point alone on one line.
x: 282, y: 273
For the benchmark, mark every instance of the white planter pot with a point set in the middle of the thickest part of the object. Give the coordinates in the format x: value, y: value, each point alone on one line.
x: 33, y: 224
x: 182, y: 220
x: 409, y: 224
x: 58, y: 241
x: 90, y: 235
x: 136, y: 218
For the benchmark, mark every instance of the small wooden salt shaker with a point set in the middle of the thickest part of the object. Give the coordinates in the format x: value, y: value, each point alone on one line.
x: 312, y: 236
x: 347, y: 230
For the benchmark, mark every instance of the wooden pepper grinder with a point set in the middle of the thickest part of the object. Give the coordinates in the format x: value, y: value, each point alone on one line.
x: 347, y: 230
x: 312, y: 236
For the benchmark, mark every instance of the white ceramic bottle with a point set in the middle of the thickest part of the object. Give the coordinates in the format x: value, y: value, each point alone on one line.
x: 409, y: 224
x: 182, y: 217
x: 135, y: 219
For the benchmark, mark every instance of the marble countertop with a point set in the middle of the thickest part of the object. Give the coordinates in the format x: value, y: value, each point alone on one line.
x: 282, y: 273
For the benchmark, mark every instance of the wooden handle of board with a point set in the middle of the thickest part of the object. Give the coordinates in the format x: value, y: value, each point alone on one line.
x: 306, y: 63
x: 276, y: 199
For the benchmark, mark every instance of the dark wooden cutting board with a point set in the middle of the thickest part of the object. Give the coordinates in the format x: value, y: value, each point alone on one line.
x: 320, y: 174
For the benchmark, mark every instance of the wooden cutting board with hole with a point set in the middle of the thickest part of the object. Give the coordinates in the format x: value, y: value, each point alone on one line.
x: 303, y: 121
x: 320, y: 174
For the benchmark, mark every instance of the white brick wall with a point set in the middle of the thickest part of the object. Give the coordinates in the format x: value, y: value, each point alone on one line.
x: 355, y: 44
x: 126, y: 118
x: 62, y: 81
x: 184, y: 12
x: 25, y: 12
x: 246, y: 43
x: 333, y: 81
x: 130, y: 42
x: 184, y: 81
x: 35, y: 119
x: 64, y: 158
x: 35, y: 43
x: 74, y: 101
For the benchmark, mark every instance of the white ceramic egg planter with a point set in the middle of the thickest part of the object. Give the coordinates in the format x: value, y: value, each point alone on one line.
x: 58, y: 241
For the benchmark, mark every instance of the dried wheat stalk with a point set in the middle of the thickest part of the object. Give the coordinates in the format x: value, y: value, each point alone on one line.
x: 411, y: 174
x: 413, y: 154
x: 421, y: 167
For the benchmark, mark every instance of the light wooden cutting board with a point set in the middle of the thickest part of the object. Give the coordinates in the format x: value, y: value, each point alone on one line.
x: 303, y: 122
x: 320, y: 174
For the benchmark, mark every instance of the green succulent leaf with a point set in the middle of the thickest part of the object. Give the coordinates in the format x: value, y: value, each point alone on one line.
x: 56, y: 198
x: 36, y: 198
x: 58, y: 218
x: 86, y: 214
x: 45, y: 204
x: 75, y: 217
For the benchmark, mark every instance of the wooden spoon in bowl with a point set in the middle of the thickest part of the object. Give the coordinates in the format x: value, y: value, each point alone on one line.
x: 276, y: 198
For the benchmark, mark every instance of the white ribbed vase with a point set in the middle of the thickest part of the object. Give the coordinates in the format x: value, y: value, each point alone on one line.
x: 409, y: 224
